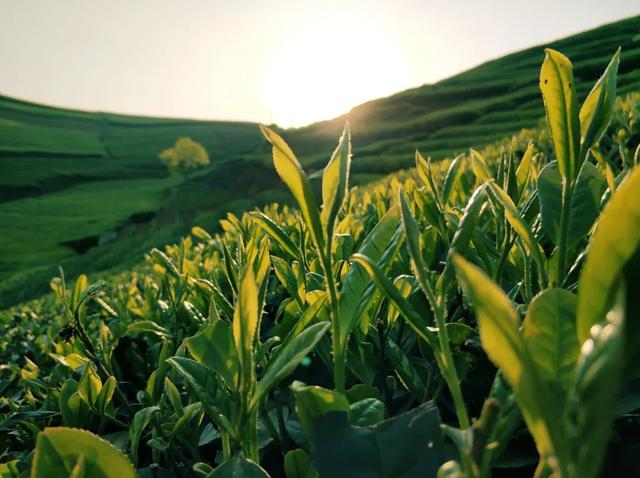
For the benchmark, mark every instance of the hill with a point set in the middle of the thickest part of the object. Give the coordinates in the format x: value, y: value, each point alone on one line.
x: 86, y: 190
x: 472, y: 108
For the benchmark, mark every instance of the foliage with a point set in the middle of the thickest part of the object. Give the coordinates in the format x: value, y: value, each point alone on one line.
x: 361, y: 336
x: 186, y: 155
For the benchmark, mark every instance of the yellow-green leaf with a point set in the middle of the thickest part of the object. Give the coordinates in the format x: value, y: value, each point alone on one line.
x: 501, y: 339
x: 245, y: 322
x: 597, y: 109
x: 616, y: 240
x: 335, y: 180
x: 213, y: 347
x: 550, y: 334
x: 58, y: 451
x: 519, y: 225
x: 524, y: 168
x: 558, y: 91
x: 291, y: 172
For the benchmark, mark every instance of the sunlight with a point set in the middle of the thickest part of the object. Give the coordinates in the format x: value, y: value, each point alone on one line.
x: 330, y: 66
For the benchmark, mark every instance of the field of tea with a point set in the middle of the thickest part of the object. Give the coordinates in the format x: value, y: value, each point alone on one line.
x: 471, y: 317
x: 90, y: 188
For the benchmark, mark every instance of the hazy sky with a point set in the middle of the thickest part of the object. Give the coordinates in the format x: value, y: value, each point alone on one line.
x: 284, y: 61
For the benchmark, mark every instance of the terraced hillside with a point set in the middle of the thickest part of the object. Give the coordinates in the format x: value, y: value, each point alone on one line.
x: 75, y: 182
x: 472, y: 108
x: 86, y: 190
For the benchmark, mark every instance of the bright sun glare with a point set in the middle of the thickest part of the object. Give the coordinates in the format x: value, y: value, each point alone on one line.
x: 330, y: 66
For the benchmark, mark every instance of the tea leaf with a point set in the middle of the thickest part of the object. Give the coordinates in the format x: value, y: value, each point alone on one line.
x: 291, y: 172
x: 550, y: 333
x: 357, y: 291
x: 214, y: 347
x: 245, y: 323
x: 288, y: 357
x: 239, y: 467
x: 140, y: 421
x: 276, y: 233
x: 597, y: 109
x: 335, y: 180
x: 558, y: 91
x: 297, y: 464
x: 616, y: 240
x: 584, y: 207
x: 500, y: 336
x: 58, y: 451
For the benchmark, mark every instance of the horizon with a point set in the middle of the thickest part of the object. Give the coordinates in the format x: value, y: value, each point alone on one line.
x: 290, y: 80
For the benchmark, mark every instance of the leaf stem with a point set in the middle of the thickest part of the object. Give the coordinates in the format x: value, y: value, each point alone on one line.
x: 338, y: 348
x: 567, y: 190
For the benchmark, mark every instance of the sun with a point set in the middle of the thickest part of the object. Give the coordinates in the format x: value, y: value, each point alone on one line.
x: 327, y: 67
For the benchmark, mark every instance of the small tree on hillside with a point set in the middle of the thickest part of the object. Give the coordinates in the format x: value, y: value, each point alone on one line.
x: 186, y: 155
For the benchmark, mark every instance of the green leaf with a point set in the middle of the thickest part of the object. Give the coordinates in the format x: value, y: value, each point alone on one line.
x: 550, y: 333
x: 335, y: 180
x: 140, y: 421
x: 58, y: 451
x: 519, y: 225
x: 214, y: 347
x: 616, y: 240
x: 341, y: 450
x: 314, y: 401
x: 423, y: 168
x: 173, y: 394
x: 405, y: 371
x: 412, y: 233
x: 501, y: 339
x: 239, y: 467
x: 73, y: 408
x: 245, y: 323
x: 380, y: 246
x: 203, y: 384
x: 464, y: 231
x: 450, y: 469
x: 479, y: 167
x: 287, y: 278
x: 90, y: 385
x: 165, y: 262
x: 451, y: 179
x: 524, y: 168
x: 297, y: 464
x: 277, y: 234
x: 289, y: 355
x: 80, y: 285
x: 105, y: 395
x: 585, y: 201
x: 147, y: 327
x: 558, y: 91
x: 597, y: 109
x: 404, y: 284
x: 200, y: 233
x: 291, y: 172
x: 407, y: 311
x: 368, y: 411
x: 597, y: 382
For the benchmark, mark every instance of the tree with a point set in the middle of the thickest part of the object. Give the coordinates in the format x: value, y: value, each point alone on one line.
x: 184, y: 156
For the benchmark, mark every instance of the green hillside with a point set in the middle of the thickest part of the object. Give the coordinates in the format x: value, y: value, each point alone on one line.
x: 472, y: 108
x: 86, y: 190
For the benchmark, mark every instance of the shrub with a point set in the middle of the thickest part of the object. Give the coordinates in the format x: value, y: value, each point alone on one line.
x: 186, y: 155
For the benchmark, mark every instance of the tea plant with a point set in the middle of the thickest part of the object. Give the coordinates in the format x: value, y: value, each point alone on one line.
x: 361, y: 337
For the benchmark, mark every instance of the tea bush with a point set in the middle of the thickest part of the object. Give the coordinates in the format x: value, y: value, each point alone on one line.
x: 473, y: 317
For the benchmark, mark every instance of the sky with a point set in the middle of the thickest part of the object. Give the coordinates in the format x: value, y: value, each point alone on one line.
x: 290, y: 62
